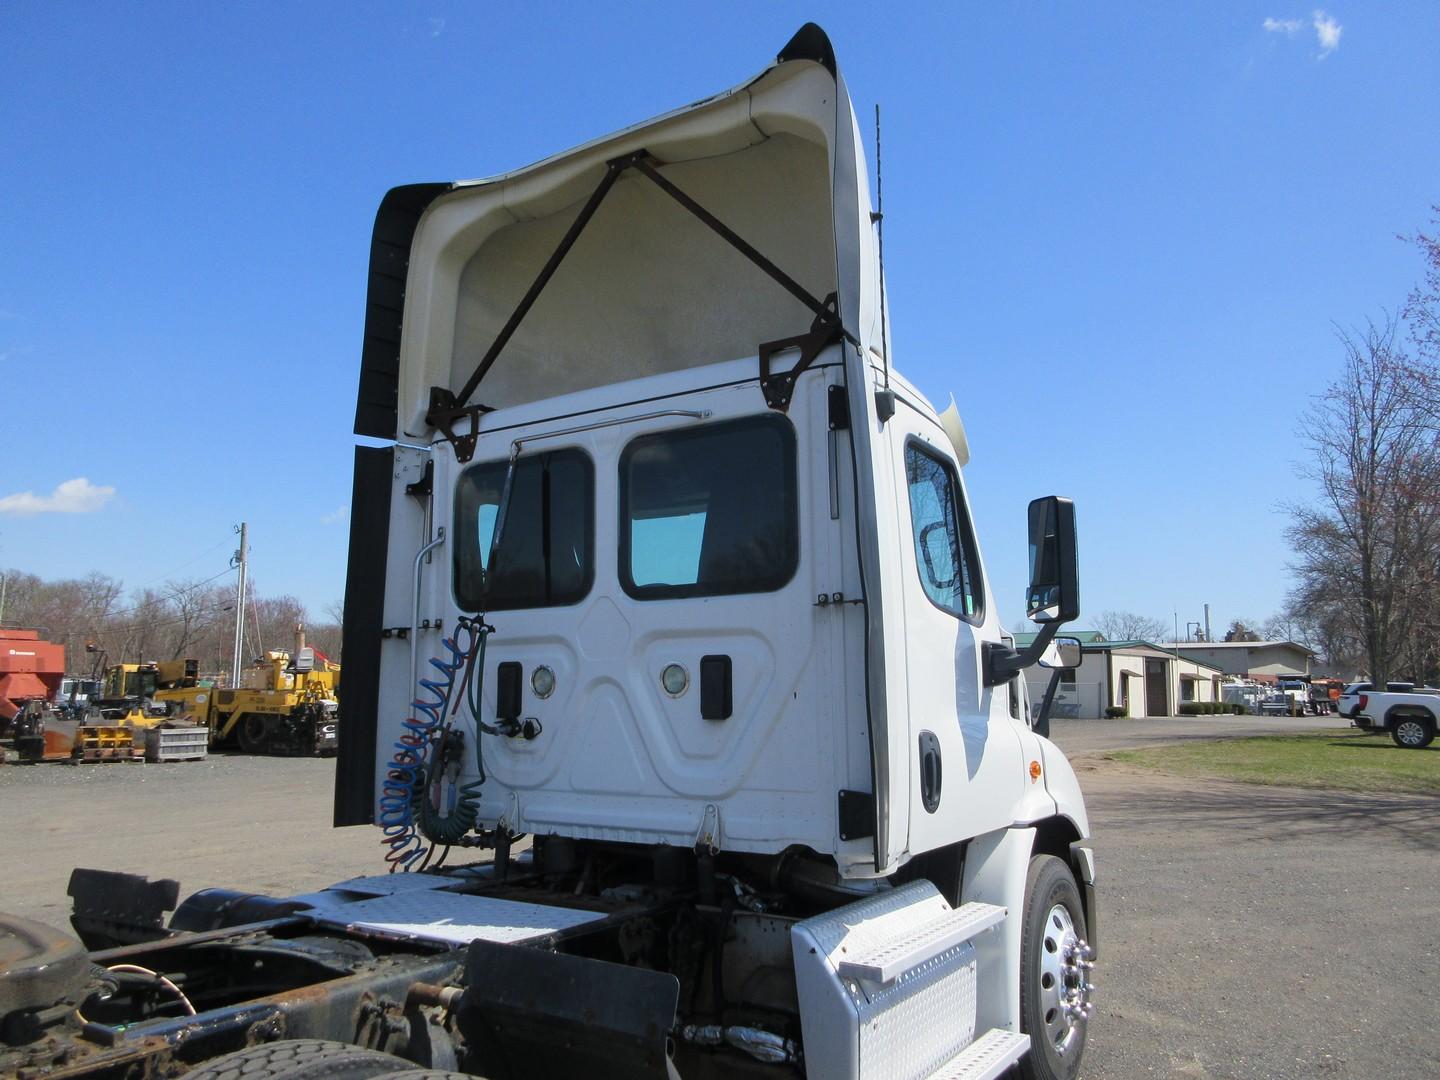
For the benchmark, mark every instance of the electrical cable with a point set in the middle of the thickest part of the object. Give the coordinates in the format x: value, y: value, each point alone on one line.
x: 136, y: 969
x: 192, y: 561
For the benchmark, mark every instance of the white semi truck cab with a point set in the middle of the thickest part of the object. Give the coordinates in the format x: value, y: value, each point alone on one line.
x: 675, y: 684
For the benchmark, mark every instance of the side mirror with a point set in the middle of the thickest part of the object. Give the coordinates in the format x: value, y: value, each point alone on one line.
x: 1064, y: 652
x: 1054, y: 593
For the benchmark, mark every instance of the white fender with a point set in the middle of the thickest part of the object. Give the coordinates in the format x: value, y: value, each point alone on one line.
x: 1063, y: 787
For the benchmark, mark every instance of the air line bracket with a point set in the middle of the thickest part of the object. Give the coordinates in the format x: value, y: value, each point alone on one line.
x: 779, y: 386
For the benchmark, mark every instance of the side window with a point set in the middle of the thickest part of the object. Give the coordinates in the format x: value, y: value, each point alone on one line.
x: 544, y: 558
x: 709, y: 511
x: 944, y: 544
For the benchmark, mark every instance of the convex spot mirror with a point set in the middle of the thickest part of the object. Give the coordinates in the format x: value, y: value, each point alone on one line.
x: 1063, y: 652
x: 1054, y: 593
x: 935, y: 547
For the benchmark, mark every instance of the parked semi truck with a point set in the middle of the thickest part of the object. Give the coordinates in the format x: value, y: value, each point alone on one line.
x: 676, y: 688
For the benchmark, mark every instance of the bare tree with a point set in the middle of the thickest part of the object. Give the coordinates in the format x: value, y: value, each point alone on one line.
x: 192, y: 619
x: 1366, y: 550
x: 277, y: 617
x: 1422, y: 307
x: 1127, y: 626
x: 1242, y: 630
x: 327, y: 638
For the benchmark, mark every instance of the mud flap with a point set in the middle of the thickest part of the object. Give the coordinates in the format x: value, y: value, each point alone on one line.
x: 538, y: 1015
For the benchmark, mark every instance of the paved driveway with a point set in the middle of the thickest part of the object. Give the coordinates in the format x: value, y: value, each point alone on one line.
x: 1254, y: 932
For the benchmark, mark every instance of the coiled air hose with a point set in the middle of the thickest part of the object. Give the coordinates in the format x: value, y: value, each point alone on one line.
x: 413, y: 789
x: 412, y: 806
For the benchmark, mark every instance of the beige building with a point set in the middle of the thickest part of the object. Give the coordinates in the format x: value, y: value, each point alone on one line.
x: 1263, y: 660
x: 1142, y: 678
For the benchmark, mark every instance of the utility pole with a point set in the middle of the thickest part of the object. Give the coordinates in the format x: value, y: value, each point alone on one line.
x: 241, y: 560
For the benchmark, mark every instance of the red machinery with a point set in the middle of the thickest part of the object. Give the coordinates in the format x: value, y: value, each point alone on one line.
x: 30, y: 670
x: 30, y: 674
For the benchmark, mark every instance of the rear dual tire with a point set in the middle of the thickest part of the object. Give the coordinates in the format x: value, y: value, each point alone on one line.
x: 314, y: 1059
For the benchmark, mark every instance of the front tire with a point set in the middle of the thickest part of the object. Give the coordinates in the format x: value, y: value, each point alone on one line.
x: 1412, y: 732
x: 1055, y: 964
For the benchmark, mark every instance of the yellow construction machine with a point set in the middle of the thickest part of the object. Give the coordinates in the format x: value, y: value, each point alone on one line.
x: 128, y: 697
x: 284, y: 704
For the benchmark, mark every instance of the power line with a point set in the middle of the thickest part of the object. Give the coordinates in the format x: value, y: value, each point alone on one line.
x: 189, y: 562
x: 141, y: 607
x: 167, y: 621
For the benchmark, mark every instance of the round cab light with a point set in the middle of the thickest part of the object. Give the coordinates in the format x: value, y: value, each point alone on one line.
x: 674, y: 679
x: 542, y: 681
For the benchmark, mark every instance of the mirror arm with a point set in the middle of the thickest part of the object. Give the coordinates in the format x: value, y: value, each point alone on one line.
x: 1042, y: 722
x: 1003, y: 662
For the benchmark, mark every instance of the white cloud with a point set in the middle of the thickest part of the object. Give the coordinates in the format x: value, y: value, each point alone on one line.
x: 338, y: 514
x: 1327, y: 32
x: 437, y: 26
x: 77, y: 496
x: 1282, y: 26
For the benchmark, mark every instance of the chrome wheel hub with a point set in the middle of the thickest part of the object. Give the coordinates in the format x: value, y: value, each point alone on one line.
x: 1066, y: 962
x: 1410, y: 731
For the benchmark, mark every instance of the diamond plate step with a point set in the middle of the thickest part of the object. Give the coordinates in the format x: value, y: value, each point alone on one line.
x: 986, y: 1058
x: 892, y: 959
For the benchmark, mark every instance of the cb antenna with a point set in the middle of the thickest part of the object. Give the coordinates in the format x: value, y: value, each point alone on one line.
x: 877, y: 218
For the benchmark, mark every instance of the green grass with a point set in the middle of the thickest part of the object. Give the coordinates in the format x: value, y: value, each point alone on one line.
x: 1319, y: 759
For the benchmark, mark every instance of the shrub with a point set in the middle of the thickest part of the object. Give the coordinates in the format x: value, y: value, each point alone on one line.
x: 1189, y: 708
x: 1115, y: 712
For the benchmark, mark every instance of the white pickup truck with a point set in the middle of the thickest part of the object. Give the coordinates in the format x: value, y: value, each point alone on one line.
x: 1410, y: 717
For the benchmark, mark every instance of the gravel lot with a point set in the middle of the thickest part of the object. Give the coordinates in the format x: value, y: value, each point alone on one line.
x: 1246, y: 932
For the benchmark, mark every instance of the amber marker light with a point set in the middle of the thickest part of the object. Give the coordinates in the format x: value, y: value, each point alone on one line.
x: 1034, y: 770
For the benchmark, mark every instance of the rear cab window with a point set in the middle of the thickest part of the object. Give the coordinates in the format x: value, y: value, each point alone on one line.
x: 709, y: 511
x: 545, y: 557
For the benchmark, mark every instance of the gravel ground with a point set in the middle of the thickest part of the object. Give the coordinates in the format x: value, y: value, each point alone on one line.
x: 1254, y: 932
x: 260, y: 824
x: 1246, y: 932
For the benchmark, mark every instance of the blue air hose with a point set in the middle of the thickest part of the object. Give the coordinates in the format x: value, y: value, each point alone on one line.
x: 464, y: 809
x: 406, y: 808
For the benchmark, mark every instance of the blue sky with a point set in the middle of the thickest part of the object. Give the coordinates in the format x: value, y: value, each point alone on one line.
x: 1120, y: 234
